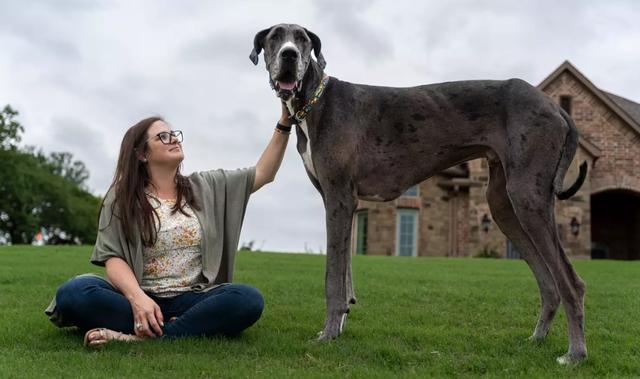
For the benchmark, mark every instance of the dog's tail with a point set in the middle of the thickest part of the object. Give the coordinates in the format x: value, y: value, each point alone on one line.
x: 568, y: 151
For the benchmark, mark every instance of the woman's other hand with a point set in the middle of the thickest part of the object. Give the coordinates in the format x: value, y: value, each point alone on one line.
x: 147, y: 317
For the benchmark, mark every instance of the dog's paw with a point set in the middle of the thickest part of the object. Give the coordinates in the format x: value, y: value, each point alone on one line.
x: 571, y: 359
x: 333, y: 328
x: 328, y: 334
x: 323, y: 336
x: 536, y: 339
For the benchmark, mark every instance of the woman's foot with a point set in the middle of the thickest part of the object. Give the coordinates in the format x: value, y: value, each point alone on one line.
x: 100, y: 336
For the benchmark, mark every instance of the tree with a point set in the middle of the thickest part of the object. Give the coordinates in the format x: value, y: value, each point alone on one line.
x: 9, y: 128
x: 38, y: 191
x: 63, y: 165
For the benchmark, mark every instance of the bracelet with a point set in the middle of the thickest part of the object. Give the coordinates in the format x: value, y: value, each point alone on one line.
x: 283, y: 128
x: 281, y: 132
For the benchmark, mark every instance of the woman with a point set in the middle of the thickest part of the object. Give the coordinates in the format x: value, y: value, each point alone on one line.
x: 168, y: 243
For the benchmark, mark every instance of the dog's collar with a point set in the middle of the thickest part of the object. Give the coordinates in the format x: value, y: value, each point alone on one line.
x: 300, y: 115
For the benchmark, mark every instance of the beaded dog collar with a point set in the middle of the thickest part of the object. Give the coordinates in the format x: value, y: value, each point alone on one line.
x: 300, y: 115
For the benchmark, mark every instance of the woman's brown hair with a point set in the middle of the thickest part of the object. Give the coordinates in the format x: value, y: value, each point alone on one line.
x: 130, y: 182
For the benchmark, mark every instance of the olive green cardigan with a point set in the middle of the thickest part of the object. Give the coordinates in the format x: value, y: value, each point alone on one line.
x: 222, y: 196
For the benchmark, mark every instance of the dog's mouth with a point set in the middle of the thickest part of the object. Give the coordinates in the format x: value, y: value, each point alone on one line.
x: 286, y: 85
x: 286, y: 89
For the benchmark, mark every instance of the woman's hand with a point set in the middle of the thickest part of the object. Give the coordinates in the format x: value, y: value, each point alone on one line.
x: 284, y: 117
x: 147, y: 317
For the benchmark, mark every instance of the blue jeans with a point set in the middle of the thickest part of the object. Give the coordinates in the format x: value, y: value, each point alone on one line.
x: 91, y: 302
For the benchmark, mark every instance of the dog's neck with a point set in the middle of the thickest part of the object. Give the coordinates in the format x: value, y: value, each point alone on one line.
x: 310, y: 82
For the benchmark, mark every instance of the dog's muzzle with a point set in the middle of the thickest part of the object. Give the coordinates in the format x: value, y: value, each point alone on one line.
x: 286, y: 84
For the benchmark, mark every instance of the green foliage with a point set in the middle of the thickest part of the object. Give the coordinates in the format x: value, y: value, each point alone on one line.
x: 247, y: 246
x: 488, y: 252
x: 10, y: 129
x: 415, y: 318
x: 63, y: 165
x: 38, y: 191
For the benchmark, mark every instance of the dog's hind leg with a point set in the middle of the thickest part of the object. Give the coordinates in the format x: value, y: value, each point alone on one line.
x: 503, y: 214
x: 339, y: 207
x: 351, y: 294
x: 533, y: 206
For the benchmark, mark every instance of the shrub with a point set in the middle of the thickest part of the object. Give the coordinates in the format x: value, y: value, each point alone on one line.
x: 488, y: 252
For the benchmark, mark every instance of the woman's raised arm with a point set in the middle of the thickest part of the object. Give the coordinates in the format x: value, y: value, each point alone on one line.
x: 271, y: 158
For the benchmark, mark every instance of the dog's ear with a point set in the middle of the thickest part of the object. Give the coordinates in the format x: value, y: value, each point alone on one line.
x: 317, y: 46
x: 258, y: 44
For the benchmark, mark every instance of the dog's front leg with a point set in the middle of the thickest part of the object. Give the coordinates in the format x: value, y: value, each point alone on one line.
x: 339, y: 208
x: 351, y: 294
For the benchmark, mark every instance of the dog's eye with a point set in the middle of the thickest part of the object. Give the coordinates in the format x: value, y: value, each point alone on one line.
x: 299, y: 37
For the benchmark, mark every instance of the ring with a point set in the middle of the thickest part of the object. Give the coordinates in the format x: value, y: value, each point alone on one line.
x: 138, y: 325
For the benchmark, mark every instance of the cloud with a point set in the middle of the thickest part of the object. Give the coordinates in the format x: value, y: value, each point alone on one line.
x: 222, y: 47
x: 82, y: 72
x: 86, y: 143
x: 361, y: 40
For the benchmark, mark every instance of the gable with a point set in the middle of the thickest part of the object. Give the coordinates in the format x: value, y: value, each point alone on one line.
x: 627, y: 110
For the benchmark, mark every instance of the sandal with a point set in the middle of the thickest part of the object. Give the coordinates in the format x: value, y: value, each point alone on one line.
x: 99, y: 336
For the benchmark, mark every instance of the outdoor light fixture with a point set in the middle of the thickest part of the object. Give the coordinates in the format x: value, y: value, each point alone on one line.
x: 575, y: 226
x: 486, y: 223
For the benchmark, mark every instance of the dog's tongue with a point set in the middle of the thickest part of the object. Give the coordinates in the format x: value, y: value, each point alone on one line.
x: 287, y: 86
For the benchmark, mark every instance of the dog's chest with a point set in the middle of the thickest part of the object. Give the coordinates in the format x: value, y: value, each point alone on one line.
x: 306, y: 154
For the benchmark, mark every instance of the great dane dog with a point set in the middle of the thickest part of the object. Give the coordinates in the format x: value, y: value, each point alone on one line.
x: 368, y: 142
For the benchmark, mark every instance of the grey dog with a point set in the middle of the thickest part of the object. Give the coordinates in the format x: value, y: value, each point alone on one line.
x: 368, y: 142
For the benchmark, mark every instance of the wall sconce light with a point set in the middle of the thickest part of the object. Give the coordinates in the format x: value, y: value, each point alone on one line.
x: 575, y: 226
x: 486, y: 223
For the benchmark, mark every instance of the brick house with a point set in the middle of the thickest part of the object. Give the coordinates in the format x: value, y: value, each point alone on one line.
x: 447, y: 215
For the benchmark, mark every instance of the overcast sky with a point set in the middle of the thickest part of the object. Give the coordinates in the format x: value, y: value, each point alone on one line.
x: 81, y: 72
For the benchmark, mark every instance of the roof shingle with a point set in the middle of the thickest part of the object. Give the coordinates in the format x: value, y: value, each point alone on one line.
x: 630, y: 107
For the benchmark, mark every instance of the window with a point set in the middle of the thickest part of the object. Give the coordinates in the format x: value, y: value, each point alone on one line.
x: 565, y: 103
x: 362, y: 219
x: 412, y: 191
x: 512, y: 252
x: 407, y: 232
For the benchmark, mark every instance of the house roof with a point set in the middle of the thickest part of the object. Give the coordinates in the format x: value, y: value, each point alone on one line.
x: 626, y: 109
x: 589, y: 147
x: 632, y: 108
x: 458, y: 171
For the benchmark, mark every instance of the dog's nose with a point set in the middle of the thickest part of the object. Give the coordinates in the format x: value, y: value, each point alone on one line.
x: 289, y: 55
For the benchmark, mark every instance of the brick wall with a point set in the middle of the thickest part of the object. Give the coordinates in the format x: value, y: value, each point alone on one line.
x: 619, y: 164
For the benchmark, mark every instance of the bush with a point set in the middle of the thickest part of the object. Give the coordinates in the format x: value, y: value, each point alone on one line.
x: 488, y: 252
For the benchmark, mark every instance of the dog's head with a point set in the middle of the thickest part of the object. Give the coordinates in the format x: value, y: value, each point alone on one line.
x: 287, y: 53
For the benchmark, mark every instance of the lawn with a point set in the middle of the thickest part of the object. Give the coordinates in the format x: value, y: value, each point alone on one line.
x: 415, y: 317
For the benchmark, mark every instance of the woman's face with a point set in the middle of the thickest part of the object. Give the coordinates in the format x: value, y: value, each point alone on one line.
x: 167, y: 153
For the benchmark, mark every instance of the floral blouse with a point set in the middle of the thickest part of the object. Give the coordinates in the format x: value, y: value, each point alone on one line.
x: 174, y: 263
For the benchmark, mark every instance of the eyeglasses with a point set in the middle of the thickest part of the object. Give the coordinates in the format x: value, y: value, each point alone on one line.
x: 168, y: 137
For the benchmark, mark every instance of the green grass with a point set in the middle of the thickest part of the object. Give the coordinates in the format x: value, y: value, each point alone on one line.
x: 425, y: 317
